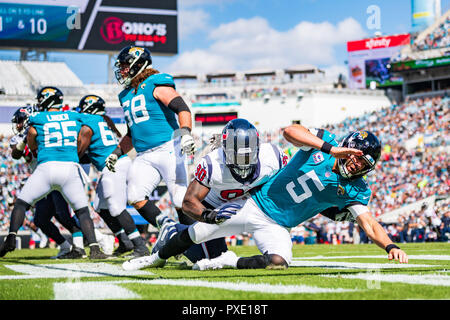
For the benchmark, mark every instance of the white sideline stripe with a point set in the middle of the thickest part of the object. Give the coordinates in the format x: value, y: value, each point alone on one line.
x: 91, y: 291
x: 355, y: 265
x: 234, y: 286
x: 412, y: 257
x: 70, y: 270
x: 433, y: 279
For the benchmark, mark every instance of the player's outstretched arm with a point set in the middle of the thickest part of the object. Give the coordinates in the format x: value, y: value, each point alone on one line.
x: 300, y: 136
x: 192, y: 202
x: 377, y: 234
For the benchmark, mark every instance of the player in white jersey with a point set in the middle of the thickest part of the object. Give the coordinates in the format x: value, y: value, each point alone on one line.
x: 328, y: 177
x: 224, y: 174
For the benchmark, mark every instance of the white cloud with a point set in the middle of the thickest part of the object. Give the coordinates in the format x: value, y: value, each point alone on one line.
x: 252, y: 43
x: 192, y: 21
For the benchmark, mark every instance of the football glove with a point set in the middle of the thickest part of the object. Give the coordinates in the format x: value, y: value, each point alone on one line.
x: 110, y: 162
x: 220, y: 215
x: 188, y: 145
x: 9, y: 244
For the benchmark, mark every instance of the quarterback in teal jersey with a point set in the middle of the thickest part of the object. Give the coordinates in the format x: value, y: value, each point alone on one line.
x: 98, y: 138
x: 321, y: 177
x: 54, y: 134
x: 159, y: 125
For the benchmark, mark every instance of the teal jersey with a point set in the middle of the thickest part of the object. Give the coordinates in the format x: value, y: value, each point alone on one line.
x: 306, y: 186
x: 57, y: 135
x: 103, y: 140
x: 151, y: 123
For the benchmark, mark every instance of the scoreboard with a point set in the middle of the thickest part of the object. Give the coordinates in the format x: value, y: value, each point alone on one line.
x: 89, y: 25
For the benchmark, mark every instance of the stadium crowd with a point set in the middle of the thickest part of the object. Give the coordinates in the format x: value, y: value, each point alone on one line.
x: 414, y: 166
x: 438, y: 38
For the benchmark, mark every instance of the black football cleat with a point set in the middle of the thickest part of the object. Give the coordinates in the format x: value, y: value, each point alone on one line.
x: 8, y: 245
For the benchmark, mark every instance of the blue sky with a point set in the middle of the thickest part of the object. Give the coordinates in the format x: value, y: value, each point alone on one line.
x: 252, y: 34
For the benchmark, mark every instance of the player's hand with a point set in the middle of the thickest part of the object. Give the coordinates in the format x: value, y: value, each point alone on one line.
x: 226, y: 212
x: 110, y: 162
x: 345, y: 153
x: 398, y: 255
x: 188, y: 145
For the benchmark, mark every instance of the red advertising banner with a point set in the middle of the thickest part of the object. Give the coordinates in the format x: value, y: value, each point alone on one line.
x: 379, y: 43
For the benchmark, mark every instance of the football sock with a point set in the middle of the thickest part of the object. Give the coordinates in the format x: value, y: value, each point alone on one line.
x: 112, y: 222
x: 129, y: 226
x: 149, y: 212
x: 86, y: 224
x: 176, y: 245
x: 77, y: 238
x: 18, y: 215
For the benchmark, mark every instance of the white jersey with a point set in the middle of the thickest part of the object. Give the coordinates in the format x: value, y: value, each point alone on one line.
x: 27, y: 153
x: 215, y: 175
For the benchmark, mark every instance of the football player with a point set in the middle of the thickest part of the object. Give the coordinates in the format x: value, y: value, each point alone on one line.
x: 53, y: 205
x: 156, y: 116
x: 98, y: 138
x: 53, y: 133
x: 228, y: 172
x: 320, y: 176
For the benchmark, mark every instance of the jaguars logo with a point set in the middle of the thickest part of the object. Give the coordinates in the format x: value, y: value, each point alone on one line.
x: 136, y: 51
x: 363, y: 134
x: 340, y: 190
x: 48, y: 92
x: 91, y: 100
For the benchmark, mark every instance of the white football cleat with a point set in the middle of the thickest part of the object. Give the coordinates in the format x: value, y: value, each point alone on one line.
x: 152, y: 261
x: 227, y: 259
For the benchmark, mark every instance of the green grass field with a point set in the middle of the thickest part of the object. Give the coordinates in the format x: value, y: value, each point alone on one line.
x: 347, y: 272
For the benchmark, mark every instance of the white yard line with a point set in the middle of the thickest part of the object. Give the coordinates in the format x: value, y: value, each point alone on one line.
x: 70, y: 270
x: 99, y: 289
x: 426, y: 279
x: 411, y: 257
x: 356, y: 265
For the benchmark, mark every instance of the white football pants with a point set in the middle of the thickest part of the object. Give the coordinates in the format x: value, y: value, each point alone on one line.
x: 269, y: 236
x: 148, y: 168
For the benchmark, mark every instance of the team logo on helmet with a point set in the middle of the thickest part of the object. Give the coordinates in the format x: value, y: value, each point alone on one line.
x: 363, y: 134
x: 136, y: 51
x: 48, y: 92
x: 91, y: 99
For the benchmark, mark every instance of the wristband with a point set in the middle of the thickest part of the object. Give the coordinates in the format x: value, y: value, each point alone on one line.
x: 185, y: 130
x: 326, y: 147
x: 118, y: 152
x: 391, y: 246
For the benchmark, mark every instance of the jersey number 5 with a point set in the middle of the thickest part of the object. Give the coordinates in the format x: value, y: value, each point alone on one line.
x: 306, y: 190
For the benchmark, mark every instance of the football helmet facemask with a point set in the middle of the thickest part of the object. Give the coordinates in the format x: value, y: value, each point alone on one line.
x: 49, y: 97
x: 20, y: 119
x: 369, y: 144
x: 92, y: 104
x: 240, y: 142
x: 130, y: 62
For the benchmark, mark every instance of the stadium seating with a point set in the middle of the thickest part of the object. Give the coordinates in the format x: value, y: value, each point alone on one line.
x: 51, y: 74
x: 12, y: 70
